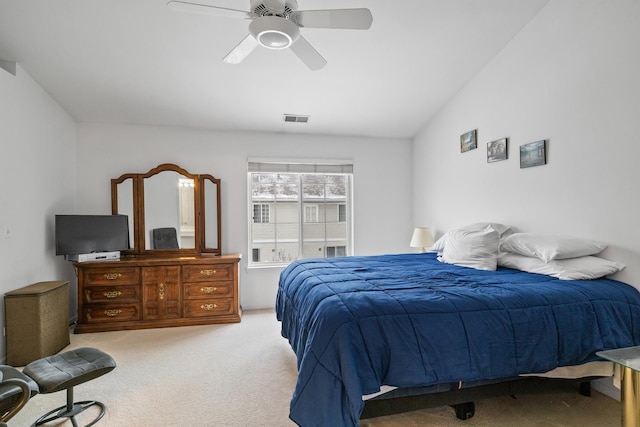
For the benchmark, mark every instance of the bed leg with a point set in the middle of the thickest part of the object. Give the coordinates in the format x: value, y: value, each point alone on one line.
x: 585, y: 388
x: 464, y: 411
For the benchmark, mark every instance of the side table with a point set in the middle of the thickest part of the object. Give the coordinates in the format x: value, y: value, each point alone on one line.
x: 629, y: 359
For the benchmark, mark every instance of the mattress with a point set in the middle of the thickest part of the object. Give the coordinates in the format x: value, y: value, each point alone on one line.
x: 408, y: 320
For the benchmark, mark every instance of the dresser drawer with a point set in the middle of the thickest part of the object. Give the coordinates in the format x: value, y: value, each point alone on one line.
x: 208, y: 290
x: 210, y: 307
x: 109, y: 313
x: 112, y: 294
x: 207, y: 272
x: 110, y: 276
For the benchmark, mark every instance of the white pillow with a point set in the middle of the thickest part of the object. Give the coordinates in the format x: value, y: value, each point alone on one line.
x: 502, y: 230
x: 475, y: 249
x: 548, y: 248
x: 582, y: 268
x: 438, y: 246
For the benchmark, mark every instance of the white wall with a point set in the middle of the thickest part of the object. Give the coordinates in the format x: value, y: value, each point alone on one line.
x: 571, y: 77
x: 37, y: 180
x: 382, y: 181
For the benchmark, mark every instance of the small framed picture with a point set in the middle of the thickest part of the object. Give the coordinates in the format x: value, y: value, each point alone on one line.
x: 468, y: 141
x: 497, y: 150
x: 533, y: 154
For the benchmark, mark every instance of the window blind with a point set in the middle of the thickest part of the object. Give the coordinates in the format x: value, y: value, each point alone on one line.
x: 328, y: 167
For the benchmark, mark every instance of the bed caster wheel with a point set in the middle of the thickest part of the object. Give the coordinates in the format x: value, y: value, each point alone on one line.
x: 464, y: 411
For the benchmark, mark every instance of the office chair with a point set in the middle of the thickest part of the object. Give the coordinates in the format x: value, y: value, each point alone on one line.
x: 15, y: 391
x: 165, y: 238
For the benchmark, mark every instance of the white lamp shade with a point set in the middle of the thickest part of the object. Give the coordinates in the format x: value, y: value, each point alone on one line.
x: 422, y: 238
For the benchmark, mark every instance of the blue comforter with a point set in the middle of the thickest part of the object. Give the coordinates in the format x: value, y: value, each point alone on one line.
x: 405, y: 320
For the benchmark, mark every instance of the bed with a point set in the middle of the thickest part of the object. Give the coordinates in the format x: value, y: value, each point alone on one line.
x: 409, y: 320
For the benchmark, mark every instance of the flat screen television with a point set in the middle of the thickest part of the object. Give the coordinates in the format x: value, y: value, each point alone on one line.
x: 85, y: 234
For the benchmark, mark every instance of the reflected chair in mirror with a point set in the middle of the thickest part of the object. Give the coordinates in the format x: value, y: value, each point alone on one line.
x: 165, y: 238
x: 15, y: 391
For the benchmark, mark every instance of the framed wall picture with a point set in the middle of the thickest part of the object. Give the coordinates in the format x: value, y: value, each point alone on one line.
x: 533, y: 154
x: 497, y: 150
x: 468, y: 141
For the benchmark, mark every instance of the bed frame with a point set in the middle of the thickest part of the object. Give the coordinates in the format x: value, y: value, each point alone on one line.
x: 462, y: 399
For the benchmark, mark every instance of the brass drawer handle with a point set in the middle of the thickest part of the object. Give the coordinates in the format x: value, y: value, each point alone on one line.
x: 208, y: 272
x: 208, y: 290
x: 112, y: 276
x: 161, y: 291
x: 112, y: 294
x: 208, y: 307
x: 112, y: 313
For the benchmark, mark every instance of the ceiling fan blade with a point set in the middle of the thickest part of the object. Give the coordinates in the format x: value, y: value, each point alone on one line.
x: 348, y: 19
x: 241, y: 51
x: 183, y: 6
x: 308, y: 54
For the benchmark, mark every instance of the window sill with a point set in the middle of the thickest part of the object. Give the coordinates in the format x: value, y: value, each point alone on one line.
x: 266, y: 266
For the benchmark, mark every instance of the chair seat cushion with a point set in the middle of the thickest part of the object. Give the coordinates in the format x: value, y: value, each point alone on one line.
x: 68, y: 369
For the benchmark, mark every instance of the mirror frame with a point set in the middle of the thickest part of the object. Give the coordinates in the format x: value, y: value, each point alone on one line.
x: 139, y: 232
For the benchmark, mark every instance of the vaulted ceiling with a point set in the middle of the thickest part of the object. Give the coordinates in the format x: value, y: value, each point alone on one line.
x: 141, y: 62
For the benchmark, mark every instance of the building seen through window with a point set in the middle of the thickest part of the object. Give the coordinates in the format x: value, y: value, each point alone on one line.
x: 299, y: 215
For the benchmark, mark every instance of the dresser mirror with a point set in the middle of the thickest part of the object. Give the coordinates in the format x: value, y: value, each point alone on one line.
x: 170, y: 210
x: 211, y: 211
x: 125, y: 203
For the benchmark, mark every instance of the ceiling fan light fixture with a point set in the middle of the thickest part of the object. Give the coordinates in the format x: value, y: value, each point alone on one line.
x: 274, y: 32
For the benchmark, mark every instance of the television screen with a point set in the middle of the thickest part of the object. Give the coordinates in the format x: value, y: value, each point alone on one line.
x: 84, y: 234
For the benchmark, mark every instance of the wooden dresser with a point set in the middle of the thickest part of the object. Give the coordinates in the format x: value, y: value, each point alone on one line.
x: 153, y: 292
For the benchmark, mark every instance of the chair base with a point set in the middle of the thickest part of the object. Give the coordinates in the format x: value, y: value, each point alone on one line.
x: 64, y: 371
x: 70, y: 411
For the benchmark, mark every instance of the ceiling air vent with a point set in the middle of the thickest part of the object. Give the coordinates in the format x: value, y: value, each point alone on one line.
x: 295, y: 118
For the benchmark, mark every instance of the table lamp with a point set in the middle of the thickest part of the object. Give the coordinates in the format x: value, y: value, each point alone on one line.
x: 422, y: 238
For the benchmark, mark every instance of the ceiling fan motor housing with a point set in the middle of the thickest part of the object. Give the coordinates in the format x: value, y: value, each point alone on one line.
x: 274, y: 32
x: 283, y: 8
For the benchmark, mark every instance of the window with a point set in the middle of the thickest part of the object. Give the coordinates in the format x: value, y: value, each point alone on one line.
x: 342, y: 213
x: 336, y: 251
x: 260, y: 213
x: 299, y: 210
x: 310, y: 213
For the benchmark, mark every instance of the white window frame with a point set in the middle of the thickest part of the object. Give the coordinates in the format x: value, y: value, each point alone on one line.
x: 325, y: 167
x: 310, y: 213
x: 263, y: 207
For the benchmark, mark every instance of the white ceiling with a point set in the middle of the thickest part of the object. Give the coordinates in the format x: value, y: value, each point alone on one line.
x: 140, y: 62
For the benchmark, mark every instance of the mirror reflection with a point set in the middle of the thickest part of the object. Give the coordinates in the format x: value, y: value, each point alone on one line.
x: 211, y: 212
x: 169, y: 211
x: 125, y: 205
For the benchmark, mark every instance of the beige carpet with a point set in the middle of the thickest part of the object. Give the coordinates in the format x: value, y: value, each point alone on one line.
x: 243, y: 375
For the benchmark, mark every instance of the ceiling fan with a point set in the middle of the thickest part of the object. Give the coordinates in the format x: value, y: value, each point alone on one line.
x: 275, y: 24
